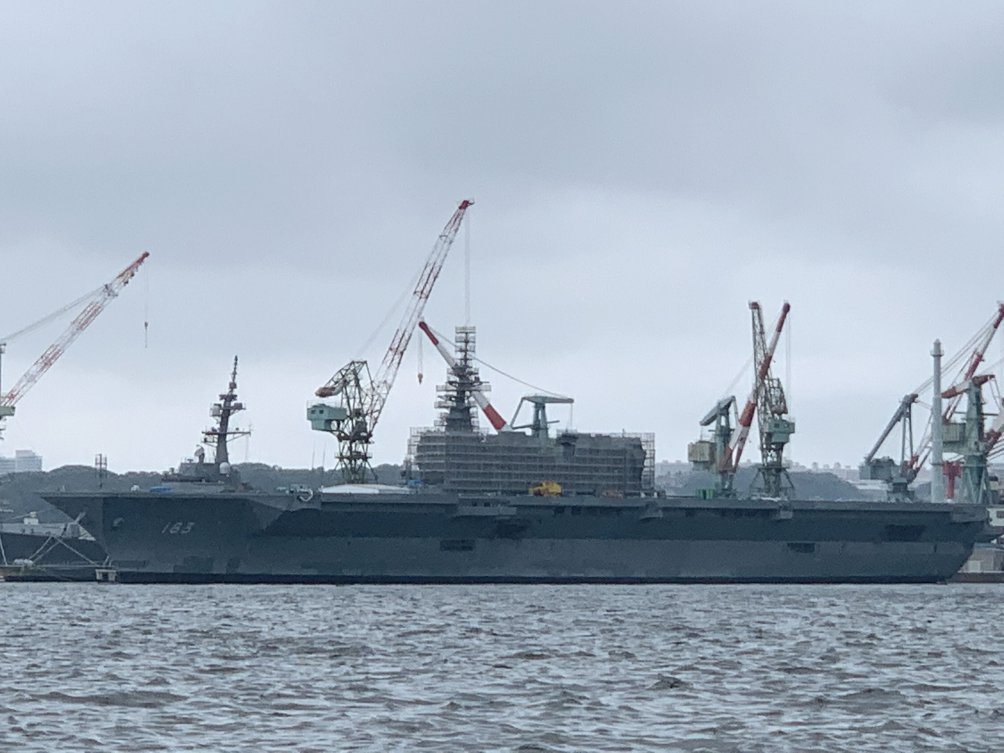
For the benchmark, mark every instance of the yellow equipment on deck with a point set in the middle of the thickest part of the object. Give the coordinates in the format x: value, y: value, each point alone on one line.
x: 546, y: 489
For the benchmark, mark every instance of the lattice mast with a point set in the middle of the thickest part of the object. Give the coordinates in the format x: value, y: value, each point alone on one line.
x: 219, y: 435
x: 362, y: 396
x: 463, y: 367
x: 456, y: 395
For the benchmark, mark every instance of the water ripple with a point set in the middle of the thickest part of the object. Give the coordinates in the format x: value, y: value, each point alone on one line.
x: 501, y: 668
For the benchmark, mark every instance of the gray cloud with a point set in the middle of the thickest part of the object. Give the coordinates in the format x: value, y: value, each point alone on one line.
x: 641, y: 171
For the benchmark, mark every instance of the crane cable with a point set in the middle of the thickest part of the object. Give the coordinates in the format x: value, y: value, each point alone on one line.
x: 146, y: 307
x: 499, y: 371
x: 410, y: 290
x: 53, y: 316
x: 963, y: 353
x: 730, y: 390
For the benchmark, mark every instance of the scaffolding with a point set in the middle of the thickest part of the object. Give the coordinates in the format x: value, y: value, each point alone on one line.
x: 458, y: 457
x: 456, y: 397
x: 512, y: 462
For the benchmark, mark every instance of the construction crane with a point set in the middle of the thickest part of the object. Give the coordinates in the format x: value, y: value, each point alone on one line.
x: 994, y: 447
x: 775, y: 428
x: 362, y: 396
x: 982, y: 340
x: 897, y: 475
x: 968, y: 439
x: 722, y: 455
x: 716, y: 454
x: 96, y: 302
x: 900, y: 475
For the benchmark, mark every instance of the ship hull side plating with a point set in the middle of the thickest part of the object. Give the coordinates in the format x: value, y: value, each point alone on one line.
x: 427, y: 538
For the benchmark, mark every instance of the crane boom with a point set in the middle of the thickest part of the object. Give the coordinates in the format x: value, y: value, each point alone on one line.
x: 51, y: 317
x: 981, y: 349
x: 101, y: 298
x: 902, y: 412
x: 387, y: 372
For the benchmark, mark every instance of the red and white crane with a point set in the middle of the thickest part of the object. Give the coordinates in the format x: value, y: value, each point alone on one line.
x: 762, y: 364
x: 95, y: 304
x: 774, y: 427
x: 723, y: 454
x: 496, y: 420
x: 982, y: 339
x: 363, y: 396
x: 899, y: 475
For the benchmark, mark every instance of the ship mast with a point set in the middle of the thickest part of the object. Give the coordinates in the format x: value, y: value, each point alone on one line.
x: 458, y: 396
x: 466, y: 377
x: 220, y: 434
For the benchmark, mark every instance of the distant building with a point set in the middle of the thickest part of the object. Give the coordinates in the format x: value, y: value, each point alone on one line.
x: 22, y: 462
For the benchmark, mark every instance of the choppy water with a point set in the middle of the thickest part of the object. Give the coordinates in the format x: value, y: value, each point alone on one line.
x: 500, y: 668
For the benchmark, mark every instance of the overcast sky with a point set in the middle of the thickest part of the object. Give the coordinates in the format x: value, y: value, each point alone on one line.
x: 641, y: 171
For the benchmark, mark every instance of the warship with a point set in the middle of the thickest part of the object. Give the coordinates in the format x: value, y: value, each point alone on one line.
x: 517, y: 504
x: 522, y: 504
x: 34, y: 551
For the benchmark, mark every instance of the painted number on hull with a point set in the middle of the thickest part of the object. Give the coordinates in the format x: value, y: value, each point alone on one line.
x: 180, y: 527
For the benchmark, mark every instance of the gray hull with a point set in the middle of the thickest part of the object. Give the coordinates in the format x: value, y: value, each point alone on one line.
x: 402, y: 538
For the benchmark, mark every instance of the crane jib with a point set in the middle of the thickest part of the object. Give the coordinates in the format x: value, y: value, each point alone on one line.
x: 102, y: 296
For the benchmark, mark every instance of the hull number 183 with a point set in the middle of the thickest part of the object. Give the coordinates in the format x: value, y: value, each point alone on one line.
x: 180, y: 527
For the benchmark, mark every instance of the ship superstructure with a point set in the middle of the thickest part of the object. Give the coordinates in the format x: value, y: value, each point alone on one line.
x: 217, y: 468
x: 456, y: 457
